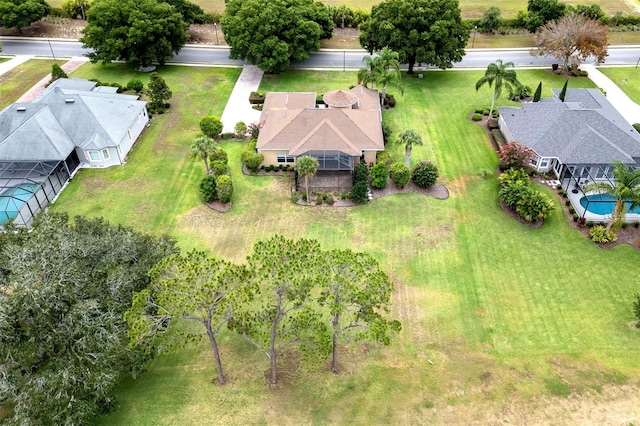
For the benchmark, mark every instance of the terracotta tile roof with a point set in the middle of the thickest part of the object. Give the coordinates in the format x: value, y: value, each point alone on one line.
x: 300, y: 130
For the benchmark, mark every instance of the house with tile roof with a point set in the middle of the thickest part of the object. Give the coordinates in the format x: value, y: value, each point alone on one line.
x: 72, y: 124
x: 344, y: 130
x: 577, y: 139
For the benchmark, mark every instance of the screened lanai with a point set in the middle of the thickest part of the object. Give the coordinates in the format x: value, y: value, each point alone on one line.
x: 26, y: 187
x: 332, y: 160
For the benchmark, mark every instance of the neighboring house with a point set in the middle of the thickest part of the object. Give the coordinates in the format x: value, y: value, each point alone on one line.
x: 577, y: 139
x: 343, y: 131
x: 70, y: 125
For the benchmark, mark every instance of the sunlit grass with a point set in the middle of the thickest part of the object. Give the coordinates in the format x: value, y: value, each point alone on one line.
x: 627, y: 78
x: 14, y: 82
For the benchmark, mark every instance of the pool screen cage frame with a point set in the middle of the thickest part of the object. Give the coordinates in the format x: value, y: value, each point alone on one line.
x: 577, y: 176
x: 39, y: 182
x: 332, y: 160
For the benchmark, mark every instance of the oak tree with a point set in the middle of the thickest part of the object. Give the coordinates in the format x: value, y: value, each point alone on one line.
x: 21, y: 13
x: 572, y: 39
x: 421, y: 31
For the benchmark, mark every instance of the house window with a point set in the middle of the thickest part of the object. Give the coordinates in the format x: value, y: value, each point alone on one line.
x: 284, y: 158
x: 105, y: 154
x: 534, y: 161
x: 544, y: 162
x: 94, y: 155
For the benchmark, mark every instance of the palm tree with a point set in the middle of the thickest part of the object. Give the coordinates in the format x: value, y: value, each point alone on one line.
x: 389, y: 71
x: 368, y: 74
x: 498, y: 75
x: 625, y: 189
x: 409, y: 138
x: 308, y: 167
x: 201, y: 147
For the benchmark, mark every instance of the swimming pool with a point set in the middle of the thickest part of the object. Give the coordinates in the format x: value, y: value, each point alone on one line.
x: 603, y: 204
x: 12, y: 199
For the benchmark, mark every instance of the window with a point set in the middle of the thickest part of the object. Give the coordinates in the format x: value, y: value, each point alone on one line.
x: 105, y: 154
x: 94, y: 155
x: 534, y: 161
x: 284, y: 158
x: 544, y: 162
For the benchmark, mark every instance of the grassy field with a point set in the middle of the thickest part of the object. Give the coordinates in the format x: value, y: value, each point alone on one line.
x: 500, y: 322
x: 13, y: 83
x: 627, y: 79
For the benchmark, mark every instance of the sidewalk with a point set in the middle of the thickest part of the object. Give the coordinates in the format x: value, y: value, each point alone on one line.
x: 629, y: 110
x: 238, y: 107
x: 39, y: 87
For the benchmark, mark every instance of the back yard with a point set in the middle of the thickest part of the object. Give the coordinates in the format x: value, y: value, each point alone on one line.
x: 501, y: 323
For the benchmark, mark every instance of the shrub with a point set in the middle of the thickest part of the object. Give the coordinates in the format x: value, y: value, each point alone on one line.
x: 240, y: 129
x: 479, y: 111
x: 224, y: 188
x: 513, y: 175
x: 227, y: 135
x: 254, y: 130
x: 582, y: 221
x: 624, y: 225
x: 599, y: 234
x: 359, y: 193
x: 534, y: 205
x: 218, y: 154
x: 571, y: 209
x: 424, y: 174
x: 400, y: 174
x: 57, y: 72
x: 567, y: 202
x: 514, y: 155
x: 576, y: 216
x: 384, y: 158
x: 379, y: 175
x: 498, y: 137
x: 360, y: 173
x: 135, y: 84
x: 208, y: 188
x: 511, y: 193
x: 256, y: 98
x: 252, y: 160
x: 386, y: 132
x: 636, y: 224
x: 218, y: 168
x: 476, y: 117
x: 520, y: 92
x: 211, y: 126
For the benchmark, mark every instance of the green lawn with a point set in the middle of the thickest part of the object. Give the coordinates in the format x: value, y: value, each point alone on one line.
x: 627, y: 78
x: 493, y: 313
x: 14, y: 82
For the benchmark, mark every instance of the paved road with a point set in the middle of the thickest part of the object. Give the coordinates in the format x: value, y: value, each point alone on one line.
x: 346, y: 59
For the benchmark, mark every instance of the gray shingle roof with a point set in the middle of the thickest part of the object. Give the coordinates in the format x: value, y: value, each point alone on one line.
x: 585, y: 129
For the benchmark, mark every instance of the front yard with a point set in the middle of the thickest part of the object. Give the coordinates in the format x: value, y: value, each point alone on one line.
x: 500, y: 322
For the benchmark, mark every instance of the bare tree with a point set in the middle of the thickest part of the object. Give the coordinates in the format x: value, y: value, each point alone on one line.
x: 572, y: 39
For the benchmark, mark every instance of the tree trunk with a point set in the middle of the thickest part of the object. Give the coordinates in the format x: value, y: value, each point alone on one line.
x: 384, y: 95
x: 411, y: 63
x: 216, y: 354
x: 206, y: 164
x: 493, y: 102
x: 273, y: 354
x: 306, y: 185
x: 617, y: 217
x: 334, y: 353
x: 407, y: 156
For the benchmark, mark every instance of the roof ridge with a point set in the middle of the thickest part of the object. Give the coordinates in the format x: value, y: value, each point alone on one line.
x: 613, y: 145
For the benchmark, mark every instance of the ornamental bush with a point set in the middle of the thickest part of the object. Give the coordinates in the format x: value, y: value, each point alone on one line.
x: 211, y: 126
x: 218, y: 154
x: 476, y: 117
x: 252, y: 160
x: 599, y: 234
x: 424, y: 174
x: 400, y: 174
x: 361, y: 173
x: 218, y: 168
x: 224, y: 188
x: 240, y: 129
x: 359, y: 192
x: 208, y: 188
x: 514, y: 155
x: 379, y: 175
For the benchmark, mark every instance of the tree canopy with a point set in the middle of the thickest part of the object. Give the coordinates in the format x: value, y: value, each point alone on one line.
x: 21, y: 13
x: 421, y: 31
x: 274, y: 33
x: 138, y: 32
x: 572, y: 39
x: 64, y: 288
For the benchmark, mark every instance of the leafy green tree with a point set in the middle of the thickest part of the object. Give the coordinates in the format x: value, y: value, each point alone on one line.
x: 191, y: 12
x: 136, y: 85
x: 356, y: 292
x: 425, y: 174
x: 538, y: 94
x: 193, y: 287
x: 491, y: 19
x: 284, y: 314
x: 400, y: 174
x: 539, y: 12
x: 499, y: 75
x: 274, y: 33
x: 138, y: 32
x: 307, y: 167
x: 21, y: 13
x: 421, y: 31
x: 201, y: 147
x: 57, y: 73
x: 625, y: 188
x: 240, y: 130
x: 74, y: 8
x: 409, y: 138
x: 211, y: 126
x: 158, y: 90
x: 64, y: 289
x: 224, y: 188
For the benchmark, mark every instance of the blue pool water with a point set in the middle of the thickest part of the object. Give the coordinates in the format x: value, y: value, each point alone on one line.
x: 603, y: 204
x: 12, y: 199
